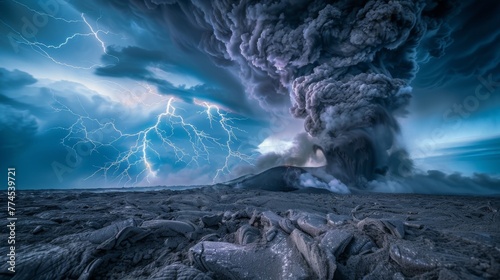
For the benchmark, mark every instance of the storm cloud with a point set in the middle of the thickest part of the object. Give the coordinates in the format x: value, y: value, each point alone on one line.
x: 347, y: 65
x: 15, y: 79
x: 346, y: 70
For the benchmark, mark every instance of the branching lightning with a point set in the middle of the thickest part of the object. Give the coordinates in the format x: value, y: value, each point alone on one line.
x: 96, y: 33
x: 45, y: 14
x: 44, y: 48
x: 139, y: 155
x: 135, y: 154
x: 226, y: 123
x: 81, y: 131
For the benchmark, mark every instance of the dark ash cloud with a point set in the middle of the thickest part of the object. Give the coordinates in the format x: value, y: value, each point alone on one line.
x: 347, y: 65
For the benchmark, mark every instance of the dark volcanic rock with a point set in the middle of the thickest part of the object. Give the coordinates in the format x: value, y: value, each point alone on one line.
x: 225, y: 233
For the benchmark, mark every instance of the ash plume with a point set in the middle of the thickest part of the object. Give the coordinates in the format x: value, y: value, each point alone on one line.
x: 346, y: 65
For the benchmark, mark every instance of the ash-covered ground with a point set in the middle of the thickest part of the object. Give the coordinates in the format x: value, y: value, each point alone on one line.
x: 221, y: 232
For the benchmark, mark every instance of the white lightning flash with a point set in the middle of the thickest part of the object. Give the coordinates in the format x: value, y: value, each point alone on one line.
x: 45, y: 49
x: 45, y: 14
x: 137, y: 152
x: 226, y: 123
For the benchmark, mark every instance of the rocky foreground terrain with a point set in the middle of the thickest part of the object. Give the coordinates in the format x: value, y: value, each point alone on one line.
x: 225, y: 233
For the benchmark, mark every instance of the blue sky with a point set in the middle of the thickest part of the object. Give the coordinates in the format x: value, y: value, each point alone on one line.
x: 97, y: 94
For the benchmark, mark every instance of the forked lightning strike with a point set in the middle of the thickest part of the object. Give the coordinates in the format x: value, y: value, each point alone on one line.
x: 44, y: 49
x: 149, y: 145
x: 225, y: 123
x: 145, y: 146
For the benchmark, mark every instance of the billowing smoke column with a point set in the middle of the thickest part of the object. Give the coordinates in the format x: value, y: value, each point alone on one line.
x: 346, y: 64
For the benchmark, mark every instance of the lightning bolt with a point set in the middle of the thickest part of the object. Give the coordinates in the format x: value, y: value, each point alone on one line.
x: 136, y: 154
x: 43, y: 48
x: 143, y: 148
x: 215, y: 114
x: 96, y: 33
x: 45, y: 14
x: 81, y: 131
x: 136, y: 161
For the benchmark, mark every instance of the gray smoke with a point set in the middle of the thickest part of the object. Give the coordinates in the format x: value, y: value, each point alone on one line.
x: 346, y: 64
x: 302, y: 151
